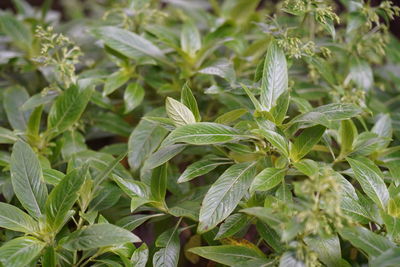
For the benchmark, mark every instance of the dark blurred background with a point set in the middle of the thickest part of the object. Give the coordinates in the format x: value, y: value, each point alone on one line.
x: 56, y: 5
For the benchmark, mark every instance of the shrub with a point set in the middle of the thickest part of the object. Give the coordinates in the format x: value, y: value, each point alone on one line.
x: 180, y: 133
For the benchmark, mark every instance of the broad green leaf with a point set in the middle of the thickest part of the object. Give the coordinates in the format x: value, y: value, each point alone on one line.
x: 327, y: 249
x: 133, y: 96
x: 158, y: 184
x: 371, y: 180
x: 203, y: 133
x: 115, y: 81
x: 267, y: 179
x: 278, y: 111
x: 140, y: 256
x: 233, y: 224
x: 7, y: 136
x: 68, y: 108
x: 62, y: 198
x: 163, y: 155
x: 270, y: 132
x: 199, y: 168
x: 265, y: 215
x: 168, y: 255
x: 27, y: 179
x: 188, y: 99
x: 224, y: 195
x: 14, y: 98
x: 275, y: 78
x: 190, y: 39
x: 304, y: 143
x: 49, y: 258
x: 113, y: 123
x: 20, y: 251
x: 13, y: 28
x: 270, y: 236
x: 361, y: 74
x: 133, y: 188
x: 231, y: 116
x: 289, y: 259
x: 383, y: 127
x: 389, y: 258
x: 98, y: 235
x: 144, y: 139
x: 133, y: 221
x: 371, y: 243
x: 229, y: 254
x: 15, y: 219
x: 178, y: 112
x: 222, y: 68
x: 347, y: 134
x: 74, y: 142
x: 128, y: 43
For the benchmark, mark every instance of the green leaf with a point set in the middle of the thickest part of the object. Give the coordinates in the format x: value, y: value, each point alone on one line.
x: 144, y: 139
x: 178, y: 112
x: 270, y: 236
x: 20, y: 251
x: 128, y: 43
x: 13, y: 28
x: 133, y: 96
x: 275, y: 78
x: 304, y: 143
x: 389, y: 258
x: 168, y: 255
x: 63, y: 197
x: 270, y: 132
x: 267, y: 179
x: 190, y: 39
x: 371, y: 180
x: 361, y: 74
x: 27, y: 179
x: 222, y: 68
x: 199, y: 168
x: 289, y: 259
x: 231, y: 116
x: 7, y: 136
x: 278, y: 111
x: 224, y: 195
x: 14, y: 98
x: 132, y: 222
x: 15, y: 219
x: 229, y: 254
x: 98, y: 235
x: 202, y: 133
x: 68, y: 108
x: 188, y: 99
x: 163, y: 155
x: 140, y: 256
x: 115, y: 81
x: 371, y: 243
x: 158, y: 184
x: 327, y: 249
x: 347, y: 135
x: 233, y: 224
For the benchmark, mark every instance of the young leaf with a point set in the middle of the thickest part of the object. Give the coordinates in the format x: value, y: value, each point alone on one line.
x: 14, y: 98
x: 199, y: 168
x: 202, y: 133
x: 188, y: 99
x: 115, y: 81
x: 229, y: 254
x: 27, y: 179
x: 140, y: 256
x: 168, y: 255
x: 267, y: 179
x: 15, y: 219
x: 63, y: 197
x: 275, y: 78
x: 224, y: 195
x: 371, y: 243
x: 98, y: 235
x: 144, y: 139
x: 133, y: 96
x: 305, y: 142
x: 158, y: 184
x: 128, y: 43
x: 347, y: 134
x: 68, y: 108
x: 233, y: 224
x: 178, y: 112
x: 190, y: 39
x: 20, y: 251
x: 163, y: 155
x: 370, y: 178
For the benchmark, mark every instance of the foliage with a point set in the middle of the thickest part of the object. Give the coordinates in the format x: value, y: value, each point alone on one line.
x: 176, y: 133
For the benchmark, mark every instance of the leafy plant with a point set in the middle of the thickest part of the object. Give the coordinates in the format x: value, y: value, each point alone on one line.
x: 177, y: 133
